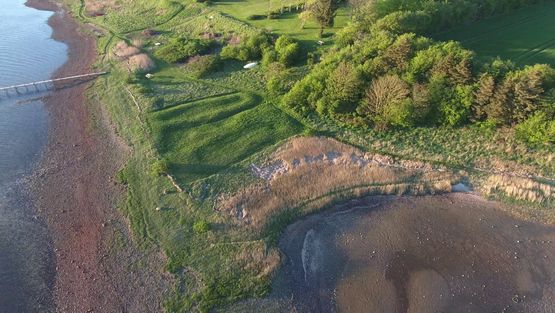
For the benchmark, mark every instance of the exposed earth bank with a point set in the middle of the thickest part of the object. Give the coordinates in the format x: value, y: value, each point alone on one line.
x: 98, y: 267
x: 448, y: 253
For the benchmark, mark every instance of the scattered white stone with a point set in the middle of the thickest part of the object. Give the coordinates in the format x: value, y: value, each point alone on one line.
x: 460, y: 187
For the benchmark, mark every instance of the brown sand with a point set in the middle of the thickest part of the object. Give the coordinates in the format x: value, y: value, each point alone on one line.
x: 453, y: 253
x: 98, y: 267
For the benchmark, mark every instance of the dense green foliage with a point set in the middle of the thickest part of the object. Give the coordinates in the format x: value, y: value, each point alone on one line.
x: 429, y: 16
x: 179, y: 49
x: 383, y: 76
x: 262, y: 46
x: 322, y: 11
x: 538, y: 129
x: 201, y: 226
x: 249, y: 49
x: 202, y: 65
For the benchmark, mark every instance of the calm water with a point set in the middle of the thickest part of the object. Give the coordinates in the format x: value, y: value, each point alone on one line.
x: 27, y: 53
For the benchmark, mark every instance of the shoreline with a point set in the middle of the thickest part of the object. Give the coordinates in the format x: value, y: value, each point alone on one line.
x: 99, y: 267
x: 75, y: 193
x: 61, y: 194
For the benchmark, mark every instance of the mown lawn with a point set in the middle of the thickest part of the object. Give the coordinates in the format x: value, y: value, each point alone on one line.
x: 526, y: 36
x: 287, y: 24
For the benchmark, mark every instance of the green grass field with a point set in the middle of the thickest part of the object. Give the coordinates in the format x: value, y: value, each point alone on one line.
x: 526, y: 36
x: 287, y: 24
x: 205, y: 137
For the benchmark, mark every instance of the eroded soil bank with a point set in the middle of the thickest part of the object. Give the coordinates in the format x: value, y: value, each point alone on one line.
x: 448, y: 253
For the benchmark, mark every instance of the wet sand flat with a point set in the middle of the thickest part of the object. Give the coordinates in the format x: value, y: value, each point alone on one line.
x: 450, y: 253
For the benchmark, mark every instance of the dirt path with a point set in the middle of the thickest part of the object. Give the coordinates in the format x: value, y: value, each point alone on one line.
x: 98, y: 267
x: 454, y: 253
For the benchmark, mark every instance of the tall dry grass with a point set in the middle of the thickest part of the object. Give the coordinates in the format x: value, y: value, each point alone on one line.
x: 519, y: 188
x: 321, y: 170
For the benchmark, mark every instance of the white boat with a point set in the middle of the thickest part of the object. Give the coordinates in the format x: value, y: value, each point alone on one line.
x: 251, y: 65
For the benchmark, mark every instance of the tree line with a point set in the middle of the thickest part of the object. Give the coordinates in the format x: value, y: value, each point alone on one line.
x: 383, y: 72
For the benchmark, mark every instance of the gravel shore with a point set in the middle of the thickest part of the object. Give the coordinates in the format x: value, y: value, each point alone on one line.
x: 98, y: 266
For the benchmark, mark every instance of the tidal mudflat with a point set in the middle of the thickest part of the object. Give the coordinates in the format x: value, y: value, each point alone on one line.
x: 448, y: 253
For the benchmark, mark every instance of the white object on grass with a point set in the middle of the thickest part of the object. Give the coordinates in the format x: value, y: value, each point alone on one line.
x: 148, y: 75
x: 157, y: 43
x: 251, y: 65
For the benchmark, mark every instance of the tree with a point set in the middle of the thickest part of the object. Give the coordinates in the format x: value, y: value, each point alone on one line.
x: 530, y: 84
x: 387, y: 102
x: 499, y: 109
x: 482, y: 96
x: 343, y: 88
x: 323, y: 11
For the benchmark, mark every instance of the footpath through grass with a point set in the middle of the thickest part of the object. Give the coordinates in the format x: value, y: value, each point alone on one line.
x: 526, y: 36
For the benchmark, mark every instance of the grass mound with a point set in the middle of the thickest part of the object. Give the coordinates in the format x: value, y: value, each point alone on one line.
x: 204, y: 137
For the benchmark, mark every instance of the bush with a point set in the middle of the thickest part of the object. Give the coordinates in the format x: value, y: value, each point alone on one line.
x: 249, y: 49
x: 277, y: 79
x: 201, y: 226
x: 179, y: 49
x: 202, y: 65
x: 287, y: 50
x: 269, y: 56
x: 538, y: 129
x: 256, y: 17
x: 160, y: 167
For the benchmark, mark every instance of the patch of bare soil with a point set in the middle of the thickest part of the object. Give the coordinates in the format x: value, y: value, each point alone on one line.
x: 98, y: 266
x: 449, y: 253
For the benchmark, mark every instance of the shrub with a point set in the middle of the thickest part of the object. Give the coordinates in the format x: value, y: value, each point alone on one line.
x: 179, y: 49
x: 287, y: 50
x: 538, y: 129
x: 249, y: 49
x: 202, y: 65
x: 277, y: 79
x: 255, y: 17
x: 160, y: 167
x: 269, y: 56
x: 201, y: 226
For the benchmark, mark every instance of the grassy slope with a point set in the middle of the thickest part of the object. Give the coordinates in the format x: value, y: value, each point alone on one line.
x: 205, y: 137
x: 526, y: 36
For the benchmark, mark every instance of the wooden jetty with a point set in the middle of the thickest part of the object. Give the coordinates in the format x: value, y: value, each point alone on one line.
x: 45, y: 84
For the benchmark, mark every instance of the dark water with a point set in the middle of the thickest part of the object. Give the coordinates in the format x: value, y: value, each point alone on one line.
x: 27, y: 53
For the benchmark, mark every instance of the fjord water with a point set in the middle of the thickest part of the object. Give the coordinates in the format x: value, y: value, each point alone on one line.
x: 27, y: 53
